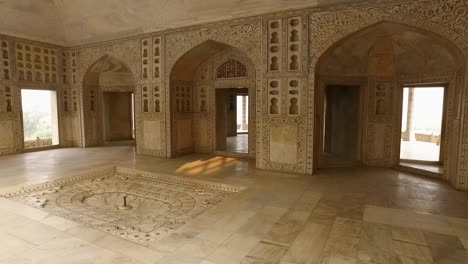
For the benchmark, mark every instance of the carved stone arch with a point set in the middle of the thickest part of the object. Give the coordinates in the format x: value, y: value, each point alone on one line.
x: 107, y: 57
x: 350, y: 22
x: 323, y: 39
x: 246, y: 38
x: 127, y: 52
x: 92, y: 92
x: 184, y: 74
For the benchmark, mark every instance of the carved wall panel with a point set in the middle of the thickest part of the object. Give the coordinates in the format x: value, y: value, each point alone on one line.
x: 36, y: 63
x: 295, y: 29
x: 275, y: 33
x: 294, y: 93
x: 6, y: 136
x: 183, y: 97
x: 145, y: 58
x: 6, y: 63
x: 446, y: 18
x: 274, y: 96
x: 293, y: 161
x: 150, y: 97
x: 145, y: 98
x: 7, y: 103
x: 380, y: 150
x: 156, y: 57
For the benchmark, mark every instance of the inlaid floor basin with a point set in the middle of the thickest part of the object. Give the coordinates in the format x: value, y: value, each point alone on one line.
x: 136, y: 205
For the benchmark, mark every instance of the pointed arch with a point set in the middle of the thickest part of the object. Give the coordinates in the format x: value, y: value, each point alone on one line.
x: 106, y: 74
x: 188, y: 97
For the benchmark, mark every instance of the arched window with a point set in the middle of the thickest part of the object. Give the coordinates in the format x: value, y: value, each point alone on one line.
x: 231, y: 69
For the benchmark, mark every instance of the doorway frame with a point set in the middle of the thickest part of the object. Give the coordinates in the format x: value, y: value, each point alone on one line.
x: 59, y: 118
x: 443, y: 138
x: 322, y: 83
x: 123, y: 89
x: 251, y: 119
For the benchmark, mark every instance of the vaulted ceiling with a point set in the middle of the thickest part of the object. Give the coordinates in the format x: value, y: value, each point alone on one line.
x: 68, y: 22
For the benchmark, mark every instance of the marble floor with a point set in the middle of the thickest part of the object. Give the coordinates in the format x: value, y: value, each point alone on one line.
x: 238, y: 144
x: 346, y: 215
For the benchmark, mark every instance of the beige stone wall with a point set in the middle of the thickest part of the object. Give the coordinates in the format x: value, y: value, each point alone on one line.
x: 283, y: 49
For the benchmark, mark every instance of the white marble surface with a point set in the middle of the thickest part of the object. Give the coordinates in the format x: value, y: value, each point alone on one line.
x: 352, y: 215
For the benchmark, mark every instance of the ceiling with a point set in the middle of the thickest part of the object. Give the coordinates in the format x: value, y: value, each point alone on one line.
x: 68, y: 22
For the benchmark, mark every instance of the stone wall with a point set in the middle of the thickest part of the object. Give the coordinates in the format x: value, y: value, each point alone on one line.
x: 284, y: 50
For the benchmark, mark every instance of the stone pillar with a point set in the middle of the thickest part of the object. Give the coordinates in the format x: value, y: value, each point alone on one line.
x: 408, y: 135
x: 244, y: 125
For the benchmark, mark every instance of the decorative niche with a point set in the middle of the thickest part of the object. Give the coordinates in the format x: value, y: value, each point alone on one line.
x: 294, y: 88
x: 145, y: 58
x: 274, y: 45
x: 274, y: 102
x: 156, y: 57
x: 157, y: 98
x: 183, y: 99
x: 5, y: 61
x: 294, y: 43
x: 145, y: 97
x: 36, y: 64
x: 231, y: 69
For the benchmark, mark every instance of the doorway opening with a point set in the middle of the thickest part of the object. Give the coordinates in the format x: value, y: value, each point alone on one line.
x: 421, y: 124
x: 232, y: 115
x: 40, y: 118
x: 341, y: 125
x: 118, y: 117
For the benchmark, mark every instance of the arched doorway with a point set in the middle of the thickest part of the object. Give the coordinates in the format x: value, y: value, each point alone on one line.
x: 108, y: 103
x: 360, y: 84
x: 212, y: 87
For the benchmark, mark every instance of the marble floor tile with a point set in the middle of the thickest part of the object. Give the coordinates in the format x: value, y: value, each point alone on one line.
x: 459, y: 226
x: 446, y: 248
x: 216, y: 236
x: 286, y: 229
x: 412, y: 251
x: 23, y: 210
x: 179, y: 259
x: 408, y: 235
x: 226, y: 255
x: 309, y: 244
x: 69, y: 250
x: 344, y: 248
x: 129, y: 249
x: 174, y: 241
x: 265, y: 252
x: 409, y: 219
x: 345, y: 227
x: 378, y: 236
x: 11, y: 245
x: 59, y: 223
x: 197, y: 247
x: 85, y: 233
x: 37, y: 233
x: 325, y: 212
